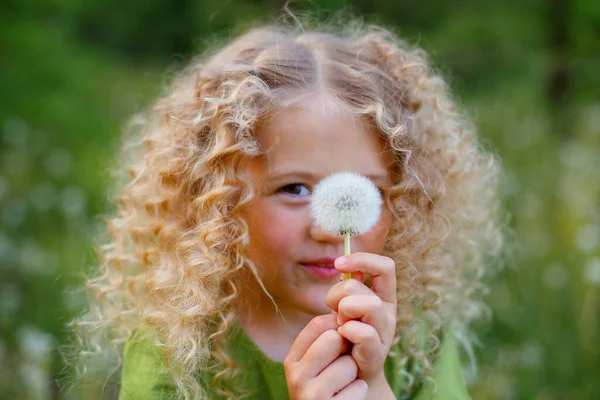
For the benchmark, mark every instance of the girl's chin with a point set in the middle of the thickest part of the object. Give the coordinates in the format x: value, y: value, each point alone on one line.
x: 315, y: 304
x: 315, y: 311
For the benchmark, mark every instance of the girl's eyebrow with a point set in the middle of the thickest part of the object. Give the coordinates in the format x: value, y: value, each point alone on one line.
x: 313, y: 177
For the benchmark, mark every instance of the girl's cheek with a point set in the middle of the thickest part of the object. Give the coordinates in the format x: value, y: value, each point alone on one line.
x: 374, y: 240
x: 282, y: 226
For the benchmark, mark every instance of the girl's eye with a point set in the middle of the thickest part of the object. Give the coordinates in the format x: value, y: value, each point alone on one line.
x: 295, y: 189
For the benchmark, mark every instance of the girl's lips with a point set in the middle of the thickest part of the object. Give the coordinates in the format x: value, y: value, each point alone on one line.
x: 323, y: 270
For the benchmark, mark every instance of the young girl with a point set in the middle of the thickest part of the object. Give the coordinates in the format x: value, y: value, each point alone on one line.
x: 218, y: 280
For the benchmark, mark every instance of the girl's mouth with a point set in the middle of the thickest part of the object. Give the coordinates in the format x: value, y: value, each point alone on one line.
x: 322, y: 268
x: 322, y: 271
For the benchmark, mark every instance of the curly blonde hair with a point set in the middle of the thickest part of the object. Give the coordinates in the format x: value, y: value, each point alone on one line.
x: 174, y: 257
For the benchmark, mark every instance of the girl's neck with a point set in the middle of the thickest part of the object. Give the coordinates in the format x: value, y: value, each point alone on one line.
x: 273, y: 329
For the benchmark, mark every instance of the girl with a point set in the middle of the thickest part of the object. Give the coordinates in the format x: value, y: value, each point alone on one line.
x: 218, y: 279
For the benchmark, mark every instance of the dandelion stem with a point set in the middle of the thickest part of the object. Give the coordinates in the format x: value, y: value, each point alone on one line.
x: 347, y: 275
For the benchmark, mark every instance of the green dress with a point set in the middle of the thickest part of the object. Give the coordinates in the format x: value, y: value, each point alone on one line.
x: 144, y: 375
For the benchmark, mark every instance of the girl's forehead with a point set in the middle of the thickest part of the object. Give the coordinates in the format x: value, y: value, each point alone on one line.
x: 317, y: 138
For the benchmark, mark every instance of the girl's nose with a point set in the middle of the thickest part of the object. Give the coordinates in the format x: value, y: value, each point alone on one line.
x: 321, y: 235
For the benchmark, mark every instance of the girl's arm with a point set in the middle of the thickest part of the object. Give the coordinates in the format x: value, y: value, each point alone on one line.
x: 144, y: 375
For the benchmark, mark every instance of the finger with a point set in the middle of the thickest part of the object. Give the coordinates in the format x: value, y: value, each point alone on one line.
x: 325, y: 350
x: 343, y: 289
x: 368, y: 349
x: 357, y: 390
x: 309, y: 334
x: 337, y: 375
x: 382, y: 270
x: 359, y: 276
x: 371, y: 310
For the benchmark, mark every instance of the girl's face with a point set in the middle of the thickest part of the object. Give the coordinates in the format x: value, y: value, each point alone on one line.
x: 304, y: 144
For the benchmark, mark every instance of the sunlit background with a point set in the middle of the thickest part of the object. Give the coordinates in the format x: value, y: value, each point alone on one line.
x: 527, y: 72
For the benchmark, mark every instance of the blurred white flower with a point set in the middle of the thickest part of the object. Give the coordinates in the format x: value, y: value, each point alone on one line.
x: 532, y: 355
x: 5, y: 244
x: 577, y: 155
x: 473, y: 311
x: 92, y: 229
x: 14, y: 212
x: 34, y: 343
x: 511, y: 183
x: 73, y: 300
x: 591, y: 271
x: 36, y: 349
x: 508, y: 357
x: 74, y: 201
x: 34, y: 259
x: 592, y: 117
x: 587, y: 238
x: 14, y: 132
x: 346, y: 202
x: 11, y: 300
x: 8, y: 254
x: 555, y: 276
x: 58, y: 162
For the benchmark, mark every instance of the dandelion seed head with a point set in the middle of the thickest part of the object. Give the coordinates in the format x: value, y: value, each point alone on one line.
x: 346, y: 202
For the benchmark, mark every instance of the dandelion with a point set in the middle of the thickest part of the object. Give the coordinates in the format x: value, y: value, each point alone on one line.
x: 346, y: 203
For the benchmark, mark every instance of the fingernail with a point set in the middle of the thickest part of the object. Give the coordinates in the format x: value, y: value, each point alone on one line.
x: 341, y: 262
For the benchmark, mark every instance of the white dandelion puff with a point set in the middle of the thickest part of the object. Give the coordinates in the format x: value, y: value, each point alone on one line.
x: 346, y: 203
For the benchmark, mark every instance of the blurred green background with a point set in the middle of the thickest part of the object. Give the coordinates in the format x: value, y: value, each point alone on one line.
x: 527, y: 72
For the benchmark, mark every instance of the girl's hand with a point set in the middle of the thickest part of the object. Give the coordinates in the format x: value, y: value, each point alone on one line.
x: 366, y: 317
x: 316, y: 366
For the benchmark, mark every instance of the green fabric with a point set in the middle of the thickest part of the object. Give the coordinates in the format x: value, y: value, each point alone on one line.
x: 144, y: 375
x: 448, y: 376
